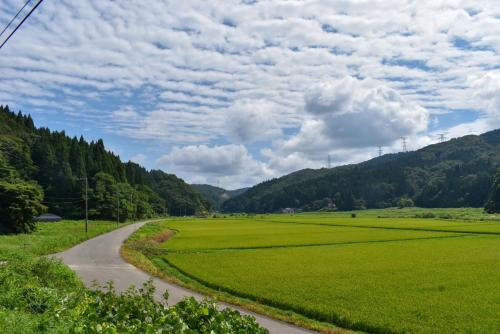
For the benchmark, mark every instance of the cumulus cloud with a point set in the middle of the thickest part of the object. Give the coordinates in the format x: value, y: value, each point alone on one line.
x: 253, y: 121
x: 358, y: 113
x: 216, y: 160
x: 354, y: 114
x: 231, y: 166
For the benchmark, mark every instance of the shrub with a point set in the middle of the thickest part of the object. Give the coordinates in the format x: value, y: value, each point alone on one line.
x: 405, y: 202
x: 425, y: 215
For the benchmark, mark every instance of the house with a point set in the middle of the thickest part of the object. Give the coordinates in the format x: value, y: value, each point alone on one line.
x: 288, y: 210
x: 48, y: 217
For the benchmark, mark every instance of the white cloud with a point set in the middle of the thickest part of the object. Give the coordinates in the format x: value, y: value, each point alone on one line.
x: 253, y: 121
x: 354, y: 114
x: 231, y: 165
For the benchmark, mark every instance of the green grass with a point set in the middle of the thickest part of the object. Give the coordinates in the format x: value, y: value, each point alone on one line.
x: 367, y: 273
x: 51, y: 238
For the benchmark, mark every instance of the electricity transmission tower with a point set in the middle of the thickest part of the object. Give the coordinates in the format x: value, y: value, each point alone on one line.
x: 405, y: 147
x: 329, y: 161
x: 380, y: 151
x: 442, y: 137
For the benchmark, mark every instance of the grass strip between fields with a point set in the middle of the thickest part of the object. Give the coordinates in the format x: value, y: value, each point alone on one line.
x: 214, y: 250
x: 385, y: 227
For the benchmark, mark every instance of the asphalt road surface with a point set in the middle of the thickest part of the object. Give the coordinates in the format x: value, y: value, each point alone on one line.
x: 99, y: 259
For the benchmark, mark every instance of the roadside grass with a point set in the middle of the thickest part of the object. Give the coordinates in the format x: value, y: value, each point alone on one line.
x: 324, y: 270
x: 51, y: 238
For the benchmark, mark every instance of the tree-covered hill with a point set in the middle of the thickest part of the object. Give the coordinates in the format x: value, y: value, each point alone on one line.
x: 58, y: 164
x: 216, y: 195
x: 455, y: 173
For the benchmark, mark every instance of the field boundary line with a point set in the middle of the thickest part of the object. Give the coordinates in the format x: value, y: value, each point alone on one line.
x: 388, y: 228
x: 215, y: 250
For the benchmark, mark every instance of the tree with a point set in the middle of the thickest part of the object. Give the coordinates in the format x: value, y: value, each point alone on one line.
x: 493, y: 204
x: 405, y: 202
x: 20, y: 201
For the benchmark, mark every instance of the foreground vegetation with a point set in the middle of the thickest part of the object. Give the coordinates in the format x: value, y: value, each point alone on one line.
x: 419, y: 275
x: 44, y: 296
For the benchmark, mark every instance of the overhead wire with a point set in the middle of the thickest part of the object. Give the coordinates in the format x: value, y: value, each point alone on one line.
x: 21, y: 23
x: 15, y: 17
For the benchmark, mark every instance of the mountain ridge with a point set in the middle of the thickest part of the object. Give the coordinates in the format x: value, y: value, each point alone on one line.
x: 455, y: 173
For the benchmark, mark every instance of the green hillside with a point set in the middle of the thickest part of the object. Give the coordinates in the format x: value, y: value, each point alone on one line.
x: 57, y: 163
x: 215, y: 195
x: 456, y: 173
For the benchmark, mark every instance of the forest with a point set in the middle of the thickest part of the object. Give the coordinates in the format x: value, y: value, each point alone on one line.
x: 456, y: 173
x: 43, y: 170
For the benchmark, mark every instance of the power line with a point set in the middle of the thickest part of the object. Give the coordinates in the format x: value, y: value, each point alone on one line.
x: 15, y: 17
x: 21, y: 23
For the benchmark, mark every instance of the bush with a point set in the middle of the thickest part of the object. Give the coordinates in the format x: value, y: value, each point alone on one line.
x: 405, y: 202
x: 353, y: 215
x: 425, y: 215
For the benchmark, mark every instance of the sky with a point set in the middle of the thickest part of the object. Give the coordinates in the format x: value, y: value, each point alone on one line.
x: 233, y: 93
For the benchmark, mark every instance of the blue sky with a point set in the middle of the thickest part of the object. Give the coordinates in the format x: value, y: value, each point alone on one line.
x: 237, y: 92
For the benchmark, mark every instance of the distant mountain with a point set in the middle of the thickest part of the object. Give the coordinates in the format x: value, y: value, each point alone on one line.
x: 456, y: 173
x: 215, y: 195
x: 58, y: 163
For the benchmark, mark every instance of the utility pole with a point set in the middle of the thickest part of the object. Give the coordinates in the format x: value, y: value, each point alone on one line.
x: 117, y: 207
x: 405, y: 148
x: 132, y: 206
x: 86, y: 201
x: 86, y: 205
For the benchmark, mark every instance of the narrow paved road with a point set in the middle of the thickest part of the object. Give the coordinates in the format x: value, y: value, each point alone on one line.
x: 99, y: 260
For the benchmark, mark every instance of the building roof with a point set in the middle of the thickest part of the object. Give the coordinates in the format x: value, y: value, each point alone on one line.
x: 48, y: 216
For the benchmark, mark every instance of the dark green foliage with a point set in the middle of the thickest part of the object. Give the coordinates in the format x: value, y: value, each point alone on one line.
x: 182, y: 198
x: 405, y: 202
x: 20, y: 201
x: 493, y: 205
x: 49, y: 298
x: 456, y: 173
x: 58, y: 163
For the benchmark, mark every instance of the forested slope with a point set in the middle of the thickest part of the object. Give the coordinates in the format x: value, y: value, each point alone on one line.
x: 58, y: 164
x: 216, y: 195
x: 455, y: 173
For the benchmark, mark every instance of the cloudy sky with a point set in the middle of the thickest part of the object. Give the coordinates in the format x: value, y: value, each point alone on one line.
x: 237, y: 92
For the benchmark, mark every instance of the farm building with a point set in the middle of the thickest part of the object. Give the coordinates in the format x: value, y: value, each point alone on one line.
x: 48, y: 217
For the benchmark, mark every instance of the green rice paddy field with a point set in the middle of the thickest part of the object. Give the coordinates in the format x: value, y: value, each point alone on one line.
x: 365, y: 273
